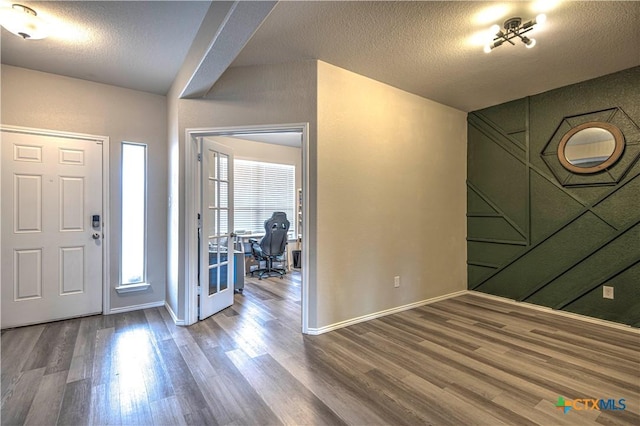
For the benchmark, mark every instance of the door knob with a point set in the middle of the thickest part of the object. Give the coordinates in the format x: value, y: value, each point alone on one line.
x: 95, y: 236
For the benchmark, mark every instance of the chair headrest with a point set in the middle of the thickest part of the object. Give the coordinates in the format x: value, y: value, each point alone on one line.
x: 278, y: 220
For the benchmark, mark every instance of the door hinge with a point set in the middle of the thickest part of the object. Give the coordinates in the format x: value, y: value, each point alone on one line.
x: 199, y: 290
x: 199, y: 157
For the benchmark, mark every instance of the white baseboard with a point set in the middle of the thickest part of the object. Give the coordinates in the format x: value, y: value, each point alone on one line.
x: 136, y: 307
x: 346, y: 323
x: 174, y: 317
x: 573, y: 315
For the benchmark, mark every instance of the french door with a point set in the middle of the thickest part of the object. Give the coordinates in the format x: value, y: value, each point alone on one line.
x: 216, y: 239
x: 52, y: 237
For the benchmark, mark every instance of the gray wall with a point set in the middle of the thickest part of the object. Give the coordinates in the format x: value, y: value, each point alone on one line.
x: 424, y: 143
x: 48, y: 101
x: 272, y: 94
x: 388, y: 167
x: 540, y: 234
x: 391, y: 197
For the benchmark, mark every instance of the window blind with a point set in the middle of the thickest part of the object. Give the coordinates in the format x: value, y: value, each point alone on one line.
x: 261, y: 189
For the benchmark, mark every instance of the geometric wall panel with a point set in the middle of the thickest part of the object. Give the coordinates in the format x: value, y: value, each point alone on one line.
x: 608, y: 176
x: 627, y: 299
x: 510, y: 117
x: 498, y: 174
x: 596, y: 268
x: 487, y: 253
x: 476, y: 205
x: 520, y: 278
x: 476, y: 273
x: 537, y: 232
x: 492, y: 228
x: 550, y: 206
x: 621, y: 207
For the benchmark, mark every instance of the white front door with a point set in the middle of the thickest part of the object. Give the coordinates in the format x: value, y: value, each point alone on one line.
x: 51, y: 250
x: 216, y: 242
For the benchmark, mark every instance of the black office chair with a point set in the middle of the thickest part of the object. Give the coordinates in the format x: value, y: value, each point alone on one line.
x: 272, y: 246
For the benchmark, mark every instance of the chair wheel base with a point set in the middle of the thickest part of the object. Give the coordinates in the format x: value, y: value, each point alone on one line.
x: 269, y: 273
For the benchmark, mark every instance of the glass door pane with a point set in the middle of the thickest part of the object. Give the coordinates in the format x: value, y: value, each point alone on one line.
x: 218, y: 215
x: 217, y: 265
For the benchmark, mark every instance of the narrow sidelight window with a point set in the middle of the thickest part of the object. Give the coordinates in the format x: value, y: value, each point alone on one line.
x: 134, y: 213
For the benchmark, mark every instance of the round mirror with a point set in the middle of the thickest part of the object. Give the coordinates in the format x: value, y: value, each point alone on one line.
x: 591, y: 147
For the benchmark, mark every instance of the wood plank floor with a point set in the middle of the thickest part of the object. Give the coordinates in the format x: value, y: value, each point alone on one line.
x: 462, y: 361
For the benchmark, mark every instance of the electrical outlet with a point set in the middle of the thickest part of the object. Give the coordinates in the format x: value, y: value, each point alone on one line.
x: 396, y: 281
x: 607, y: 292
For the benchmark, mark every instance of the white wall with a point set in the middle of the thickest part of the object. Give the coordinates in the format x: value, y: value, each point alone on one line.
x: 48, y: 101
x: 388, y: 169
x: 391, y: 197
x: 175, y: 168
x: 258, y: 95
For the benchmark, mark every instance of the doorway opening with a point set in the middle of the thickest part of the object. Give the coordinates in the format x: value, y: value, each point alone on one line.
x: 292, y: 135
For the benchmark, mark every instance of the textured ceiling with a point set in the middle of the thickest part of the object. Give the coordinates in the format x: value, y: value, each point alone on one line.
x: 133, y: 44
x: 425, y: 47
x: 422, y: 47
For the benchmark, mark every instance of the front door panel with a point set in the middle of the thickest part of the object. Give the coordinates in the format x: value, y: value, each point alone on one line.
x: 51, y: 253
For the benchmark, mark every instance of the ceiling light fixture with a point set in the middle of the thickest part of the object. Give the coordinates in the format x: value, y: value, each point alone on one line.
x: 514, y: 28
x: 23, y: 22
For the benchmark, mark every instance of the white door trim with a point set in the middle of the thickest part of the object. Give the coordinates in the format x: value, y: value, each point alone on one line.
x: 106, y: 300
x: 192, y: 203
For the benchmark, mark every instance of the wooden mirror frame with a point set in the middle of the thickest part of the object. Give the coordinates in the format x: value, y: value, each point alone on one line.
x: 615, y: 155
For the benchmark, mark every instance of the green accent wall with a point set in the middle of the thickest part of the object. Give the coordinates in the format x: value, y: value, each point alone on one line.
x: 540, y: 234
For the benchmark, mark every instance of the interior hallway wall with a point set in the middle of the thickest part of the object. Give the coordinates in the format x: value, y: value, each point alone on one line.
x: 244, y: 96
x: 389, y: 172
x: 391, y: 197
x: 49, y: 101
